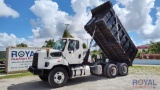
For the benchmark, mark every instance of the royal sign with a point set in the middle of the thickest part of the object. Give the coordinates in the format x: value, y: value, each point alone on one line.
x: 22, y: 55
x: 19, y: 59
x: 144, y: 83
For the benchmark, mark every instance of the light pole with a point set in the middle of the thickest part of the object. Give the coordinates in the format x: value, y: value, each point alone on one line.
x: 66, y: 26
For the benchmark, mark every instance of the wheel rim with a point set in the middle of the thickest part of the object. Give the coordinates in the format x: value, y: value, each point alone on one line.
x: 59, y: 77
x: 113, y: 71
x: 124, y: 69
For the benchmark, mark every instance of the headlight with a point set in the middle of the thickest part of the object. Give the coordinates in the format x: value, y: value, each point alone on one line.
x: 56, y: 54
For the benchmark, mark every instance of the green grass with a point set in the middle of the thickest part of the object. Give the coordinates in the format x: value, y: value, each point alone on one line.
x: 16, y: 75
x: 141, y: 70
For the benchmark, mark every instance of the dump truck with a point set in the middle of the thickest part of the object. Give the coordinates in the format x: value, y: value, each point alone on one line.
x: 65, y: 61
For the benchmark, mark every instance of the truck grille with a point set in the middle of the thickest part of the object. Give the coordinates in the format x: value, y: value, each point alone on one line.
x: 35, y: 60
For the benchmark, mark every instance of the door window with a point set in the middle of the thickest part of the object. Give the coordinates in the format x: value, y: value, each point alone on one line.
x: 77, y: 44
x: 73, y: 45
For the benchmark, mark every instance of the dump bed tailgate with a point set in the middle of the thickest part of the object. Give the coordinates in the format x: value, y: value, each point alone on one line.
x: 110, y: 34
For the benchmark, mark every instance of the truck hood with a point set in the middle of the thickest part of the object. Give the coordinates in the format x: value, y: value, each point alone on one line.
x: 50, y: 50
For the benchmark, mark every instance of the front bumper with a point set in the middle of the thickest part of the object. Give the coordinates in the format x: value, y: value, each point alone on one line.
x: 35, y: 71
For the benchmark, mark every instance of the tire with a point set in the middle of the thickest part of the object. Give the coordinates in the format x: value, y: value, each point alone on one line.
x: 118, y: 64
x: 105, y: 69
x: 123, y: 69
x: 110, y: 70
x: 43, y: 78
x: 58, y: 77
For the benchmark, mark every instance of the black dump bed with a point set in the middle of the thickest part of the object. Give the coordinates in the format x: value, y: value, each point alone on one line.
x: 110, y: 35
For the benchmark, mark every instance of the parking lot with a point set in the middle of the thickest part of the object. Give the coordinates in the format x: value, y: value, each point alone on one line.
x: 88, y: 83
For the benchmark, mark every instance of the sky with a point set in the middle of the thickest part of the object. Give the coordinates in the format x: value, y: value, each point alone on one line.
x: 34, y: 21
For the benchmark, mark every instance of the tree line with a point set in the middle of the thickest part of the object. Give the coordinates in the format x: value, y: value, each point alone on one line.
x: 154, y: 48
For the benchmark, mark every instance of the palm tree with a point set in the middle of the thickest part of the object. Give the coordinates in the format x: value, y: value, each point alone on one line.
x: 49, y: 43
x: 66, y: 33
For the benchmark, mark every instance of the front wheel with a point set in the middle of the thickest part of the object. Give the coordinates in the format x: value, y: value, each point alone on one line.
x: 58, y: 77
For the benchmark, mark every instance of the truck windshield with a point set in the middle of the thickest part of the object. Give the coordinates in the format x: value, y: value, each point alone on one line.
x: 60, y: 44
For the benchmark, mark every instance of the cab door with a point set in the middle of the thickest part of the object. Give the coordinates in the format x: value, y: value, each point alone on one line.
x: 74, y: 52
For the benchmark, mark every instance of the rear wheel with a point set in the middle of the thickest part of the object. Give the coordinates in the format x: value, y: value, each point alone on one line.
x: 110, y: 70
x: 58, y: 77
x: 123, y: 69
x: 105, y: 69
x: 43, y: 78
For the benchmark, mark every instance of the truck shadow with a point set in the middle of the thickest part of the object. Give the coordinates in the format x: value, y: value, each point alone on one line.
x: 32, y: 85
x: 44, y: 85
x: 85, y: 79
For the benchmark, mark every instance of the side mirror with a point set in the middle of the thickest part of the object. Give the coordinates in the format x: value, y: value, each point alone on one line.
x: 71, y: 51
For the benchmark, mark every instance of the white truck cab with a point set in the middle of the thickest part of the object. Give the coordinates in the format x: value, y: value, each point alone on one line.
x: 65, y: 51
x: 71, y: 49
x: 66, y: 55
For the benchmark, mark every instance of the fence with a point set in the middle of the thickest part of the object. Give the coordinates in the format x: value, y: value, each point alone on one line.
x: 150, y: 56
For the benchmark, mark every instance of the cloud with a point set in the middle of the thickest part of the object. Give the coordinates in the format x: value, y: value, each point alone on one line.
x: 9, y: 40
x: 135, y: 16
x: 50, y: 21
x: 153, y: 33
x: 7, y: 11
x: 52, y: 24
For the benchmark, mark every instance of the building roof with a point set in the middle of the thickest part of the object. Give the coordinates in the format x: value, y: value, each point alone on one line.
x: 143, y: 46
